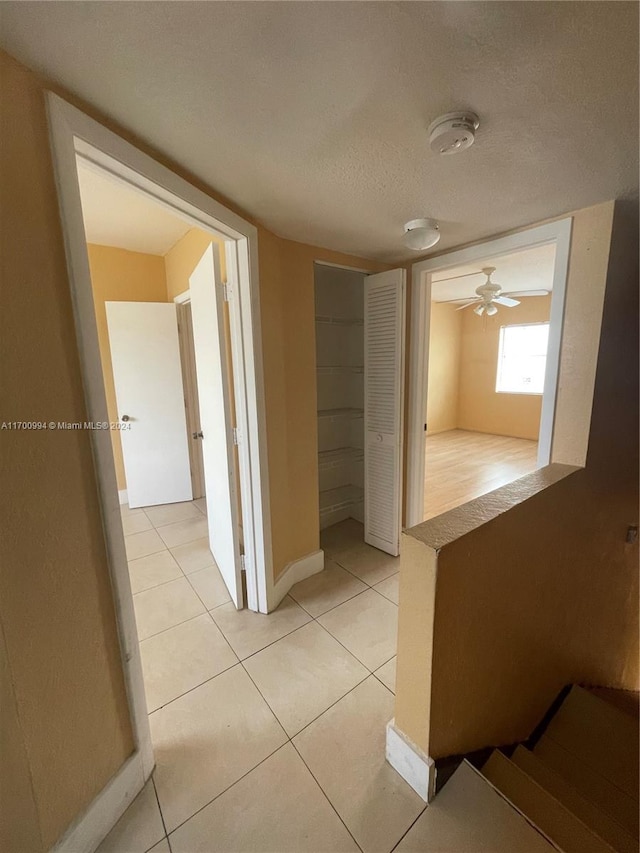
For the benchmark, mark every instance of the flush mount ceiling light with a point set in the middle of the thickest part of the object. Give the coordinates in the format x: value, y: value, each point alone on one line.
x: 453, y: 132
x: 421, y: 234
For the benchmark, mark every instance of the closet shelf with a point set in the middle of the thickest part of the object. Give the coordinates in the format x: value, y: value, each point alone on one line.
x: 335, y: 369
x: 340, y: 498
x: 339, y: 321
x: 341, y: 413
x: 340, y: 456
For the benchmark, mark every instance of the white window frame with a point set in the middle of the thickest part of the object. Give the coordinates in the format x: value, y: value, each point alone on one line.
x: 503, y: 329
x: 75, y: 135
x: 559, y: 233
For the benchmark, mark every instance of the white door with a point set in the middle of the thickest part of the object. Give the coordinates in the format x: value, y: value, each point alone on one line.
x: 205, y: 286
x: 145, y: 357
x: 384, y: 313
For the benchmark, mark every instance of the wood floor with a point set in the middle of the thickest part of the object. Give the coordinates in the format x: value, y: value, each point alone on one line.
x: 460, y: 466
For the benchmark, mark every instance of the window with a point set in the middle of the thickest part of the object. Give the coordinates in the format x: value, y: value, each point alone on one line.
x: 522, y: 359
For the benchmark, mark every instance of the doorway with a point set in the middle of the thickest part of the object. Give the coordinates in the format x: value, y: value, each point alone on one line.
x: 360, y: 321
x: 74, y: 135
x: 486, y: 328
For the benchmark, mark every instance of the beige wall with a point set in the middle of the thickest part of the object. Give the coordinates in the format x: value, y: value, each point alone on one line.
x: 118, y: 275
x: 480, y: 407
x: 551, y: 597
x: 181, y: 259
x: 66, y: 714
x: 445, y: 340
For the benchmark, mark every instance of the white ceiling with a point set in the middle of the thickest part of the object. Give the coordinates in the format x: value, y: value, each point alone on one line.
x: 529, y: 269
x: 117, y: 216
x: 313, y: 116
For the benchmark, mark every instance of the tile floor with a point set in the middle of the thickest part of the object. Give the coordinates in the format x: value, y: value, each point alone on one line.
x: 268, y: 731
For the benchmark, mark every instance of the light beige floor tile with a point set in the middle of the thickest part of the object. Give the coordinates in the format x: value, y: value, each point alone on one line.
x: 193, y: 556
x: 326, y: 589
x: 139, y: 828
x: 340, y: 536
x: 165, y: 606
x: 161, y: 847
x: 345, y: 751
x: 153, y: 570
x: 210, y: 587
x: 367, y: 625
x: 183, y: 531
x: 367, y: 563
x: 207, y: 739
x: 170, y: 513
x: 277, y: 808
x: 468, y: 816
x: 142, y: 544
x: 390, y: 588
x: 201, y: 503
x: 303, y: 674
x: 181, y: 658
x: 248, y: 632
x: 126, y: 511
x: 387, y: 674
x: 135, y: 523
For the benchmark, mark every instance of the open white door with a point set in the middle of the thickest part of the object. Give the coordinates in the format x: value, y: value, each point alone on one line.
x: 145, y: 357
x: 205, y: 285
x: 384, y: 312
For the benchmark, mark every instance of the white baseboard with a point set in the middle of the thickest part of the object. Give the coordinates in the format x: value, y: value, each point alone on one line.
x: 296, y: 571
x: 88, y: 830
x: 123, y: 497
x: 407, y: 759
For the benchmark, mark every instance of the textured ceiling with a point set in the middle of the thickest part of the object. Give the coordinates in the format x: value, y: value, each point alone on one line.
x: 529, y: 269
x: 116, y: 216
x: 313, y: 116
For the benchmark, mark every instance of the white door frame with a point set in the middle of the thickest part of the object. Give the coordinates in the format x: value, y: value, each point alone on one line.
x: 558, y: 232
x: 73, y: 134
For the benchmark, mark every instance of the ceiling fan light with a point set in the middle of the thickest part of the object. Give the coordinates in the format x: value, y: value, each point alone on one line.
x: 421, y: 234
x: 479, y: 310
x: 491, y: 310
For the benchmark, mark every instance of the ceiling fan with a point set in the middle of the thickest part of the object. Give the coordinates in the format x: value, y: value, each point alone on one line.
x: 490, y: 295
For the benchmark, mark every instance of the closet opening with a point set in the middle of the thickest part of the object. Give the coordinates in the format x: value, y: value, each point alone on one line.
x: 359, y: 321
x: 339, y: 307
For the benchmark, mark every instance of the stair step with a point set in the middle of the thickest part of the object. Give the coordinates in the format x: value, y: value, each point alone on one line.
x: 600, y: 735
x: 469, y: 815
x: 599, y: 822
x: 625, y: 700
x: 549, y: 815
x: 590, y: 785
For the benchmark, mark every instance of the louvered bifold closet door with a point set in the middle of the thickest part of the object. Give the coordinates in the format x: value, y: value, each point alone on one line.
x: 384, y: 309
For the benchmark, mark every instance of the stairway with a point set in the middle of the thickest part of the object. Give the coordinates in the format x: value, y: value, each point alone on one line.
x: 573, y: 787
x: 578, y: 783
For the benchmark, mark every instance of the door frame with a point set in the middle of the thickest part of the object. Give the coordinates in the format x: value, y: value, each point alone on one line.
x: 558, y: 232
x: 72, y: 134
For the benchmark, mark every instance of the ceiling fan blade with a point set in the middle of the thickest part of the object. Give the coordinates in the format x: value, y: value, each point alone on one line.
x: 461, y: 299
x: 472, y: 302
x: 505, y: 300
x: 528, y: 293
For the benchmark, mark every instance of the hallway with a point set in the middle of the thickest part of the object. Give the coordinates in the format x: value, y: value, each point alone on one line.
x: 268, y: 731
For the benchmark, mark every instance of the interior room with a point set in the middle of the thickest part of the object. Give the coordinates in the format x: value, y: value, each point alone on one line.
x: 141, y: 257
x: 486, y: 376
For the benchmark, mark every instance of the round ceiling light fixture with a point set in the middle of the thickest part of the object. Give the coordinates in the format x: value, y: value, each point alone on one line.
x: 421, y: 234
x: 453, y: 132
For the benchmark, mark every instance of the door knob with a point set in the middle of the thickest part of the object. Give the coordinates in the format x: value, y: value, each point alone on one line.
x: 125, y: 418
x: 198, y: 435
